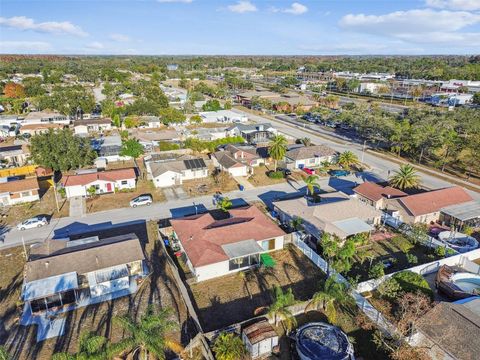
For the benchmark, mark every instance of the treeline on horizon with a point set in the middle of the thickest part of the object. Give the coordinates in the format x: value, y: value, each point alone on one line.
x: 93, y: 68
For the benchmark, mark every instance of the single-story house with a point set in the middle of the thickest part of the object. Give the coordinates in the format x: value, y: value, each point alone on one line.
x: 450, y: 330
x: 19, y: 191
x: 222, y: 116
x: 152, y: 122
x: 14, y: 154
x: 104, y: 182
x: 219, y: 247
x: 375, y: 194
x: 39, y: 128
x: 309, y: 156
x: 110, y: 147
x: 464, y: 214
x: 62, y: 275
x: 426, y: 207
x: 45, y: 117
x: 238, y: 160
x: 335, y: 213
x: 86, y: 126
x: 174, y: 171
x: 260, y: 339
x: 253, y: 134
x: 206, y: 134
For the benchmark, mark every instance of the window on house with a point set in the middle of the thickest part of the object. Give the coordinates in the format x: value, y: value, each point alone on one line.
x: 25, y: 193
x: 311, y: 161
x: 124, y: 182
x: 268, y: 244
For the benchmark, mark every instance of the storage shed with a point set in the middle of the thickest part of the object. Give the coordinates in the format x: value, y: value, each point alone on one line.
x: 259, y: 338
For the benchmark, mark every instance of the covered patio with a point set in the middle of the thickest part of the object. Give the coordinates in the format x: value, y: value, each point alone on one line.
x: 466, y: 214
x: 242, y: 254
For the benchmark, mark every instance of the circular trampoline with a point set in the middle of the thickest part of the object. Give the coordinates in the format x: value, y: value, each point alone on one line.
x: 321, y: 341
x: 458, y: 241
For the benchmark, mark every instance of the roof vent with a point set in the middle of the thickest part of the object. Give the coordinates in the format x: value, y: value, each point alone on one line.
x: 46, y: 264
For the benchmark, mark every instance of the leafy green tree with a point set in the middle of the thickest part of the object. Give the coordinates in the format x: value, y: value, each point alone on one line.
x: 61, y: 150
x: 33, y: 86
x: 377, y: 271
x: 312, y: 183
x: 132, y: 147
x: 150, y: 336
x: 279, y: 311
x: 347, y: 159
x: 476, y: 98
x: 306, y: 141
x: 67, y: 99
x: 4, y: 355
x: 195, y: 119
x: 117, y: 122
x: 212, y: 105
x: 405, y: 178
x: 224, y: 204
x: 277, y: 148
x: 131, y: 122
x: 171, y: 116
x: 91, y: 347
x: 333, y: 295
x: 229, y: 346
x: 296, y: 223
x: 330, y: 246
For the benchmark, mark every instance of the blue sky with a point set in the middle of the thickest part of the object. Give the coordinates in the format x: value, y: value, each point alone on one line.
x: 264, y: 27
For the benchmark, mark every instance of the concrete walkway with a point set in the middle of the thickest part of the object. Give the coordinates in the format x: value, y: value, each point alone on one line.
x: 77, y: 206
x: 242, y: 180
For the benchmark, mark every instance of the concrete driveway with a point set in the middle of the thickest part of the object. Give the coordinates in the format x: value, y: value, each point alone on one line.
x: 77, y: 206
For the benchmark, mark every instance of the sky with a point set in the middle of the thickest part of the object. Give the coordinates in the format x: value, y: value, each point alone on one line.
x: 240, y: 27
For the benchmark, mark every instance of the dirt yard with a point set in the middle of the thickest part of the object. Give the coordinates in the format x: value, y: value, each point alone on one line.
x: 234, y: 298
x: 208, y: 185
x: 260, y: 177
x: 46, y: 206
x: 159, y: 289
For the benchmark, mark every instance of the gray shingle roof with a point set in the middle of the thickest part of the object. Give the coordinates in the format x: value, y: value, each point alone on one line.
x: 309, y: 152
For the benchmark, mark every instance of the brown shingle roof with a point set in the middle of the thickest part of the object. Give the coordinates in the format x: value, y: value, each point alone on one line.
x: 202, y: 236
x: 19, y: 185
x: 433, y: 201
x: 375, y: 192
x: 259, y: 331
x: 309, y: 152
x: 110, y: 175
x: 85, y: 258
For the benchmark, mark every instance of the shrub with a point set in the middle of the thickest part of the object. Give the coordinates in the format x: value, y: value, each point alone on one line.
x: 376, y: 271
x: 275, y: 174
x: 389, y: 288
x: 440, y: 251
x: 62, y: 192
x: 403, y: 244
x: 412, y: 282
x: 412, y: 259
x: 450, y: 252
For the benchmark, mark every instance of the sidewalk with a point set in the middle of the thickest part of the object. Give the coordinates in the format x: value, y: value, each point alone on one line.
x: 242, y: 180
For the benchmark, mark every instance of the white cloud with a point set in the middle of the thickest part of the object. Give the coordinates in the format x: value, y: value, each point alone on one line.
x: 53, y: 27
x: 95, y: 45
x: 242, y: 7
x: 454, y: 4
x: 296, y: 9
x: 175, y: 1
x: 24, y: 47
x: 119, y: 37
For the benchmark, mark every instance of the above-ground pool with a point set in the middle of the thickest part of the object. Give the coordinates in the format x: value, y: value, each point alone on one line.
x: 458, y: 241
x: 468, y: 282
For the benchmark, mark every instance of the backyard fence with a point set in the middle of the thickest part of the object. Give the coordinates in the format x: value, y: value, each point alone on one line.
x: 362, y: 303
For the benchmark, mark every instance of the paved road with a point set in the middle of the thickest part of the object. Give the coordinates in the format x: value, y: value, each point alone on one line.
x: 378, y: 165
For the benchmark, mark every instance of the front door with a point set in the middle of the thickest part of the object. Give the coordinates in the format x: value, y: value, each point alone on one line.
x: 109, y: 187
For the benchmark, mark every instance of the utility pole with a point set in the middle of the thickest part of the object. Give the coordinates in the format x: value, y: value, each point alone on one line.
x: 24, y: 249
x: 55, y: 192
x: 363, y: 149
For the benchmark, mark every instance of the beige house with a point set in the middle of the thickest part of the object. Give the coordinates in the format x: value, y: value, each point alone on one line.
x: 376, y: 195
x: 19, y: 192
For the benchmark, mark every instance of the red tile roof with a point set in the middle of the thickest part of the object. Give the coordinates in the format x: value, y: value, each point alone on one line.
x: 432, y: 201
x: 375, y: 192
x: 19, y: 185
x: 111, y: 175
x: 202, y: 236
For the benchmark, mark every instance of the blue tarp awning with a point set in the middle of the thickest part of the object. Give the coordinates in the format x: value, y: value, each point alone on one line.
x: 49, y: 286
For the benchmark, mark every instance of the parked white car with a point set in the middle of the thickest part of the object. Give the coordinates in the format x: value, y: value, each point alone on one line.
x: 141, y: 200
x: 34, y: 222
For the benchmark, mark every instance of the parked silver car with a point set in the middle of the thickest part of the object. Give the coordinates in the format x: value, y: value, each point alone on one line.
x: 34, y: 222
x: 141, y: 200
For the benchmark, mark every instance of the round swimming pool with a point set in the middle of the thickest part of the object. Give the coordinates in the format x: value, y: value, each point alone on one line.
x: 458, y: 241
x: 467, y: 282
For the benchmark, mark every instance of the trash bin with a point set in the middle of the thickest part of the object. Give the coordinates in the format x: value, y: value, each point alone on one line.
x: 241, y: 187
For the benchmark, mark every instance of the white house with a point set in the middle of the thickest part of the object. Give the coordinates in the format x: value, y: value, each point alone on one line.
x: 103, y: 182
x: 222, y: 116
x: 152, y: 122
x: 309, y: 156
x: 214, y: 248
x: 86, y: 126
x: 19, y: 192
x: 237, y: 160
x: 173, y: 172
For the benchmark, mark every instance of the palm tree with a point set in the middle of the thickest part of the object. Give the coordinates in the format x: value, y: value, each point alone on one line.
x: 278, y: 148
x: 331, y: 296
x: 306, y: 141
x: 91, y: 346
x: 311, y: 183
x: 149, y: 336
x: 229, y: 346
x: 4, y: 355
x: 406, y: 177
x: 296, y: 223
x: 279, y: 311
x: 224, y: 204
x: 347, y: 159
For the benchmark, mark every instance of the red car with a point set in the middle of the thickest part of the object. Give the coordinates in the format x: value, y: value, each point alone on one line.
x: 309, y: 171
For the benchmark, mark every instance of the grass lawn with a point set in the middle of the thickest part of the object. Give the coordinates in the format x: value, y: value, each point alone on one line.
x: 206, y: 186
x: 159, y: 289
x: 260, y: 177
x: 389, y: 249
x: 233, y: 298
x: 46, y: 206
